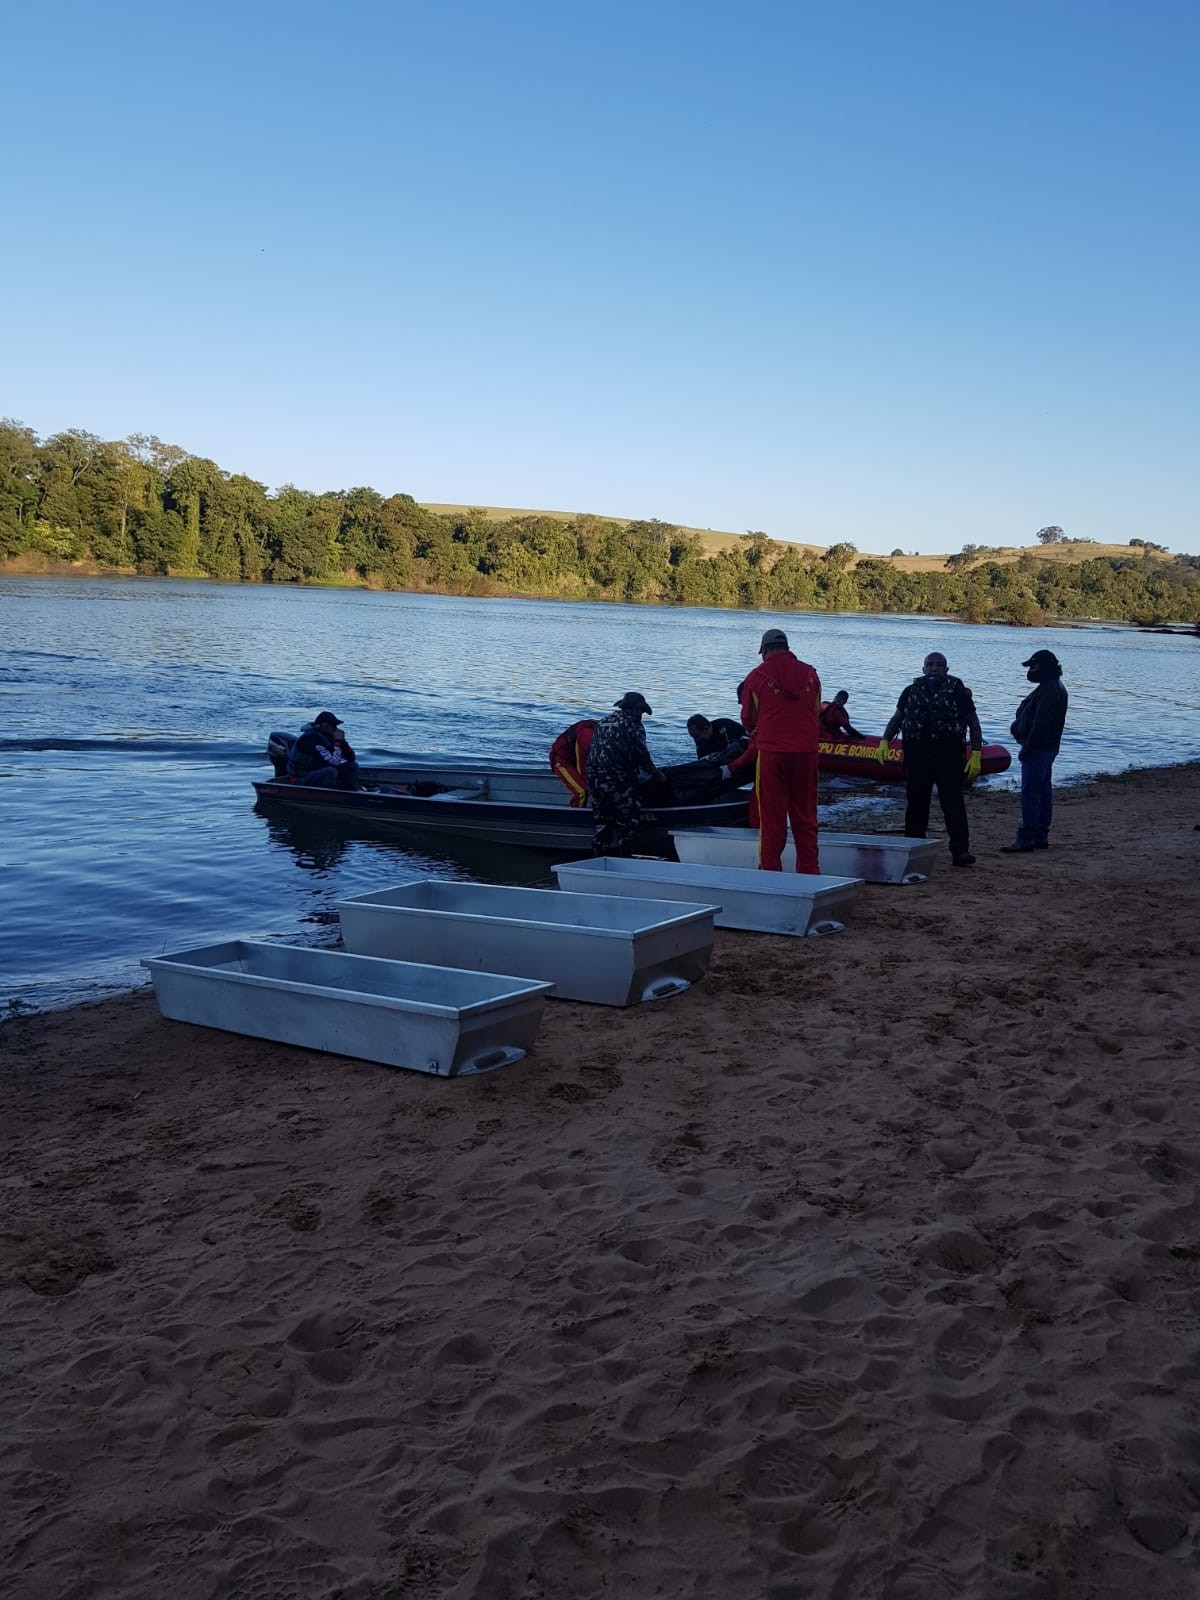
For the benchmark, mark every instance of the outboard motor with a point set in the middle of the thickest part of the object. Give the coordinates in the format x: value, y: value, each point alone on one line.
x: 279, y: 752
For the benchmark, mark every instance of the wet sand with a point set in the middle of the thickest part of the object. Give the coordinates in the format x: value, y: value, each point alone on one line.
x: 868, y: 1268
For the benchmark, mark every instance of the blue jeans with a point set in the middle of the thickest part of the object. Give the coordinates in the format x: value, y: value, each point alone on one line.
x: 1037, y: 797
x: 343, y: 777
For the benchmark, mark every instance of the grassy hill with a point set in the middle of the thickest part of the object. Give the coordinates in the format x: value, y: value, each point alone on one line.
x: 711, y: 539
x: 1070, y: 550
x: 714, y: 540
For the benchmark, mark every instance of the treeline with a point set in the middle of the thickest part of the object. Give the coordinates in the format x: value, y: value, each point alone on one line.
x: 140, y: 506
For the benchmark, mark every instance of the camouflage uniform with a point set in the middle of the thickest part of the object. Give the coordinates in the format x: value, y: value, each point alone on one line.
x: 617, y: 756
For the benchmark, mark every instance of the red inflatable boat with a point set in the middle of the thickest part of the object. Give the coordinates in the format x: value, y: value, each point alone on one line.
x: 856, y: 758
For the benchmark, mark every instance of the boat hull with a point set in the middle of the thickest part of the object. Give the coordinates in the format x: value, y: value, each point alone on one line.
x: 515, y: 807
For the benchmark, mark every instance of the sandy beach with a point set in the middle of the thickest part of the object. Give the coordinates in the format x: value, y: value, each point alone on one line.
x: 869, y: 1268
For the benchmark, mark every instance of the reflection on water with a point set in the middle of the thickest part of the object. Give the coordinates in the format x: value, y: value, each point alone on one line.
x: 316, y: 849
x: 320, y: 842
x: 142, y: 709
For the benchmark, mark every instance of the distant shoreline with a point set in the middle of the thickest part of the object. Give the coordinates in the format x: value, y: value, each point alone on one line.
x: 23, y: 566
x: 78, y: 503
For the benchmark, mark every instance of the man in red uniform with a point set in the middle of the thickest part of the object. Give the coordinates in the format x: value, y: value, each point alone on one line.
x: 780, y: 704
x: 569, y: 757
x: 835, y: 719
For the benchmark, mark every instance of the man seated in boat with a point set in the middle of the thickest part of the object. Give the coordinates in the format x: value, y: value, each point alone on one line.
x: 322, y: 758
x: 835, y: 719
x: 719, y: 740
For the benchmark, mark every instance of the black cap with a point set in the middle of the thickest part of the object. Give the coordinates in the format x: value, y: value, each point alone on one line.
x: 773, y: 639
x: 328, y: 716
x: 634, y: 702
x: 1042, y: 658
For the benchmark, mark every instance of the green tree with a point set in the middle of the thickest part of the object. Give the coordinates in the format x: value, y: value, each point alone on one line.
x: 246, y: 509
x: 793, y: 586
x: 19, y: 470
x: 191, y: 486
x: 835, y: 585
x: 876, y: 584
x: 976, y: 605
x: 68, y: 462
x: 967, y: 556
x: 756, y: 548
x: 158, y: 540
x: 839, y: 557
x: 304, y: 537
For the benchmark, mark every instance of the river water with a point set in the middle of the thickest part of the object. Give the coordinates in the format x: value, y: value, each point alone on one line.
x: 134, y: 714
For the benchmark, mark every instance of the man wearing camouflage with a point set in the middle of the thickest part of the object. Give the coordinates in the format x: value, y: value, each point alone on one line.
x: 617, y: 758
x: 935, y: 715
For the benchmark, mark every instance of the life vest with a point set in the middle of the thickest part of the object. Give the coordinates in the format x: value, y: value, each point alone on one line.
x: 931, y: 713
x: 568, y: 758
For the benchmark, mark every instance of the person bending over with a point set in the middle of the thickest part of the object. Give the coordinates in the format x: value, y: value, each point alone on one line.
x: 618, y: 755
x: 718, y: 740
x: 835, y: 719
x: 568, y: 758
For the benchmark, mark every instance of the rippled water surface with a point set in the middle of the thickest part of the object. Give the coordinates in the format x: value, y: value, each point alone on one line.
x: 135, y: 714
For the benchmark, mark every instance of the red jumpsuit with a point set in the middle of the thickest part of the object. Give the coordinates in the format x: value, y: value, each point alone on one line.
x: 568, y: 759
x: 780, y: 704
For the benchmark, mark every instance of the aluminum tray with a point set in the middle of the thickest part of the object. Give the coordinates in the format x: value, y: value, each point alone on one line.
x: 592, y: 947
x: 429, y: 1019
x: 766, y: 902
x: 874, y: 857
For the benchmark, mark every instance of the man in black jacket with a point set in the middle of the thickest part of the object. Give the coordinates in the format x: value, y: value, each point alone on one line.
x: 718, y: 740
x: 321, y: 757
x: 1038, y: 729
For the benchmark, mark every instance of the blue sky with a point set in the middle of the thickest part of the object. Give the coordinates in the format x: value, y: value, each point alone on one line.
x: 909, y: 274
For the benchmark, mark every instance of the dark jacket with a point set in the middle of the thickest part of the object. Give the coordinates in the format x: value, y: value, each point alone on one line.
x: 1041, y: 716
x: 313, y: 749
x: 725, y: 737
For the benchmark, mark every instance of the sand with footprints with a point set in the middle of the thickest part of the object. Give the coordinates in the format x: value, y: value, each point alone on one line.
x: 868, y: 1268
